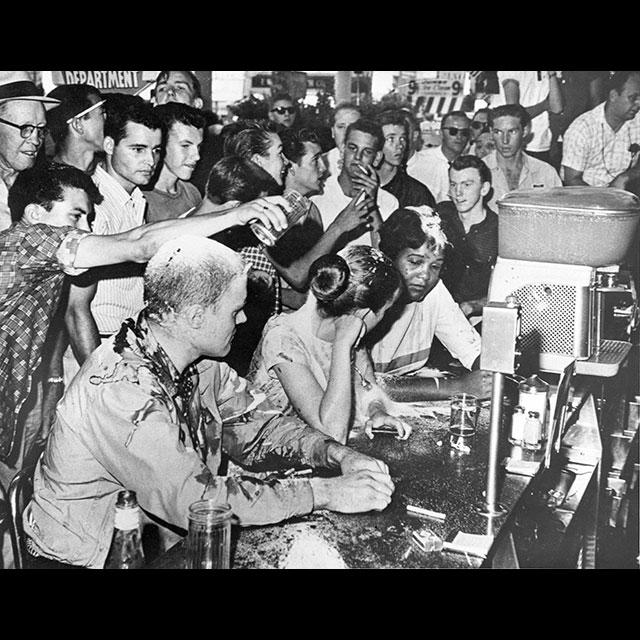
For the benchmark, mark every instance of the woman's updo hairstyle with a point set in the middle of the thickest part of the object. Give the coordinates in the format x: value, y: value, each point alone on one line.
x: 360, y: 278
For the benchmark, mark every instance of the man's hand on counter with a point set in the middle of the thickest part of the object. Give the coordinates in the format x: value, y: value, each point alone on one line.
x: 353, y: 492
x: 349, y: 460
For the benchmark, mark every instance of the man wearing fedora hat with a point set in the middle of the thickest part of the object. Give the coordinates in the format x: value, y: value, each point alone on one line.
x: 22, y: 129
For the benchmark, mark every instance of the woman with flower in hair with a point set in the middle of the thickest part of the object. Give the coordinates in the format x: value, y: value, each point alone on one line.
x: 413, y: 239
x: 313, y: 361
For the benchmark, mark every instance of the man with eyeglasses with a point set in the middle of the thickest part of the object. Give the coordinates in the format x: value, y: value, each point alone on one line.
x: 283, y: 111
x: 601, y: 147
x: 77, y: 125
x: 22, y: 129
x: 431, y: 166
x: 512, y: 168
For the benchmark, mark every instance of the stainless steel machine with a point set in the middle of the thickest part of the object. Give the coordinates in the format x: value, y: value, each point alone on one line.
x: 559, y: 255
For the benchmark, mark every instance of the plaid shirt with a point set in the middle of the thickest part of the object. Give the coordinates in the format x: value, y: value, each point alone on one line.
x: 256, y: 257
x: 33, y: 261
x: 590, y: 145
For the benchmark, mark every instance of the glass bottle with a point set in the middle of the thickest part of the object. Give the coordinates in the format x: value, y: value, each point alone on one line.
x: 126, y: 544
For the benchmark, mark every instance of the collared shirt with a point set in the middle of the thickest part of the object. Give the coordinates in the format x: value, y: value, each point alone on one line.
x: 409, y: 191
x: 431, y: 167
x: 401, y: 342
x: 119, y: 294
x: 121, y: 425
x: 332, y: 201
x: 33, y: 261
x: 5, y: 212
x: 535, y: 174
x: 590, y: 145
x: 470, y: 257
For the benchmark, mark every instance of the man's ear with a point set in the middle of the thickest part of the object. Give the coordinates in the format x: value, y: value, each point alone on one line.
x: 76, y: 125
x: 108, y: 145
x: 377, y: 161
x: 198, y: 103
x: 33, y: 213
x: 486, y: 187
x: 194, y: 315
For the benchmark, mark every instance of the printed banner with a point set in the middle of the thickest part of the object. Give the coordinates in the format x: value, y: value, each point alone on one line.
x: 105, y: 81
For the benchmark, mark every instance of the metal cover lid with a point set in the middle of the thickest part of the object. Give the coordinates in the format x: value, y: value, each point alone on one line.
x: 592, y: 199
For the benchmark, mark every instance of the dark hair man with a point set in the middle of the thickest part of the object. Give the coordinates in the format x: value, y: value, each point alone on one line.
x: 22, y: 130
x: 173, y: 195
x: 393, y: 176
x: 600, y: 146
x: 77, y: 125
x: 472, y: 231
x: 178, y: 86
x: 364, y: 142
x: 159, y: 423
x: 99, y: 302
x: 431, y: 166
x: 512, y: 168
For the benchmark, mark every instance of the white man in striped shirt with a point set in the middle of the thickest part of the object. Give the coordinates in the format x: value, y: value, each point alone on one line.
x: 103, y: 298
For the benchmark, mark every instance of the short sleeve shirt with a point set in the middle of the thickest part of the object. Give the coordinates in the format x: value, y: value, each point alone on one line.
x: 591, y: 146
x: 33, y: 262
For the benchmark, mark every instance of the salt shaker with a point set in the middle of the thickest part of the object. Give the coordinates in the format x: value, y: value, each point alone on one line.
x: 532, y: 436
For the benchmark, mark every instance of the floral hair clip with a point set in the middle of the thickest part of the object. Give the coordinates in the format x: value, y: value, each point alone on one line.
x: 431, y: 224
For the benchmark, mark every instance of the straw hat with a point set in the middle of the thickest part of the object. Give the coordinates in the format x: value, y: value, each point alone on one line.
x: 17, y: 85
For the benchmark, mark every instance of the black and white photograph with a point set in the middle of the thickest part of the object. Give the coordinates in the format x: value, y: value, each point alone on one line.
x: 319, y: 319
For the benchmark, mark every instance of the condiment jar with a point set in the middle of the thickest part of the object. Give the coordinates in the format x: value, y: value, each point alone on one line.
x: 533, y: 396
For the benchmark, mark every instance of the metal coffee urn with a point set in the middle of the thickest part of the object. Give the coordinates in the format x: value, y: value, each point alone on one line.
x: 559, y: 255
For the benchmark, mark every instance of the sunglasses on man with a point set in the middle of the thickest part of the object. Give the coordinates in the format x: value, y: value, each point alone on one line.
x: 282, y: 110
x: 477, y: 124
x: 454, y: 131
x: 27, y: 129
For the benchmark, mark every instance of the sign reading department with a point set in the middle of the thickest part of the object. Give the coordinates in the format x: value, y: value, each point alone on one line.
x: 120, y: 81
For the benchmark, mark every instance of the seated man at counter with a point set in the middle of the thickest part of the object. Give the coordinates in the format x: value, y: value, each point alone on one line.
x: 152, y: 412
x: 472, y: 232
x: 401, y: 342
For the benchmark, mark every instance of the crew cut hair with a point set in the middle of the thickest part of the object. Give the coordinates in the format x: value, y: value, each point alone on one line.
x: 188, y: 270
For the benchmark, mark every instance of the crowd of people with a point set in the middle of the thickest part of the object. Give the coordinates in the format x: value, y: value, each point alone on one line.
x: 150, y: 341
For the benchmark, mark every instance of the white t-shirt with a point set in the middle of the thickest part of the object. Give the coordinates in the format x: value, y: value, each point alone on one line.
x: 532, y: 91
x: 333, y: 201
x: 405, y: 346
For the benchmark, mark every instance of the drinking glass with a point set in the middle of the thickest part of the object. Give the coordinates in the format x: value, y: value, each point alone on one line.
x: 209, y: 536
x: 299, y: 206
x: 464, y: 415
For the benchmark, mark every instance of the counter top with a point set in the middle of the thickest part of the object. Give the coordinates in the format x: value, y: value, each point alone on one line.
x: 427, y: 473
